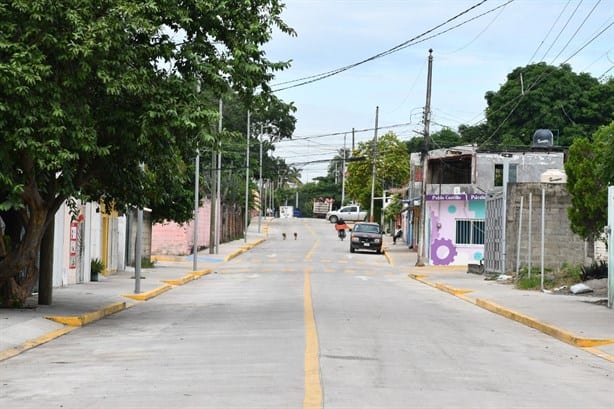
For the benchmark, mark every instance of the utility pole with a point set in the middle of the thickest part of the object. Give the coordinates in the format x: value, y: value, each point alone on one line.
x: 260, y: 183
x: 421, y: 259
x: 196, y: 209
x: 218, y: 197
x: 371, y: 214
x: 139, y: 238
x: 249, y: 126
x: 214, y: 171
x: 343, y: 174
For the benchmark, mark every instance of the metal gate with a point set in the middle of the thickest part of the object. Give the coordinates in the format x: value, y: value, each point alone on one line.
x: 493, y: 234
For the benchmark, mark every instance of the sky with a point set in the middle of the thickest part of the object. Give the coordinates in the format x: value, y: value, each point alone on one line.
x: 472, y: 55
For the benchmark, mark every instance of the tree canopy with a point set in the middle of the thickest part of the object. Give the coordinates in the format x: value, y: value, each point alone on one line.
x: 541, y: 96
x: 100, y: 100
x: 590, y: 170
x: 391, y: 169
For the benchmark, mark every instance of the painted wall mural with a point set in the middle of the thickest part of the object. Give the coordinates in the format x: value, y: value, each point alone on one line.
x: 444, y: 212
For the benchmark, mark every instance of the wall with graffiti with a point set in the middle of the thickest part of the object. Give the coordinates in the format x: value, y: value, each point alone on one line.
x: 448, y: 216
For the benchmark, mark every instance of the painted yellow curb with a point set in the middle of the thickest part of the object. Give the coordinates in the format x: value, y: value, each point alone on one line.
x: 198, y: 274
x: 243, y: 249
x: 192, y: 275
x: 451, y: 290
x: 551, y: 330
x: 180, y: 281
x: 84, y: 319
x: 169, y: 258
x: 149, y: 294
x: 600, y: 354
x: 388, y: 257
x: 33, y: 343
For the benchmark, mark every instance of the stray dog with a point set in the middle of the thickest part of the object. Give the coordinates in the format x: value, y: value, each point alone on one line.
x: 295, y: 235
x: 283, y: 235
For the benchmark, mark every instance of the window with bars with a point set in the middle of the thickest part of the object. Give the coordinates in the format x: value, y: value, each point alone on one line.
x: 470, y: 232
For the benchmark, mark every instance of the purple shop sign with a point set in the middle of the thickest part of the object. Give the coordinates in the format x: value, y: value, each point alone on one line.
x: 460, y: 196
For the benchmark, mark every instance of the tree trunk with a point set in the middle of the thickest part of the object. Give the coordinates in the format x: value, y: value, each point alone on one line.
x: 45, y: 281
x: 19, y: 269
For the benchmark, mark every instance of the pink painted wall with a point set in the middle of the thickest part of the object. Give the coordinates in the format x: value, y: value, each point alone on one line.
x: 170, y: 238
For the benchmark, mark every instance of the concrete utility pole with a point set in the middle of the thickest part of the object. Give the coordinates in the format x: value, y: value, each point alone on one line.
x: 218, y: 198
x: 343, y: 174
x: 260, y: 182
x: 421, y: 259
x: 215, y: 169
x: 371, y: 214
x: 138, y: 251
x: 196, y: 206
x: 249, y: 126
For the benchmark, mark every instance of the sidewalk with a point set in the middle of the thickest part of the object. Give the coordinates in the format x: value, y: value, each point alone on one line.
x: 572, y: 319
x: 80, y: 304
x: 575, y: 319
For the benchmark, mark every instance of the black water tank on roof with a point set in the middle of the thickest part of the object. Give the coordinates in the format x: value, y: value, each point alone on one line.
x: 543, y: 137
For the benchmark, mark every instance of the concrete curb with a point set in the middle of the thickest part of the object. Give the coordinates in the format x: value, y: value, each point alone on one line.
x: 73, y: 322
x: 560, y: 334
x: 390, y: 261
x: 149, y: 294
x: 243, y: 249
x: 193, y: 275
x: 33, y: 343
x: 548, y: 329
x: 175, y: 259
x: 84, y: 319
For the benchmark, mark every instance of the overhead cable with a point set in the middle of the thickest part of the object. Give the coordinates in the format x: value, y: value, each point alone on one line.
x: 413, y: 41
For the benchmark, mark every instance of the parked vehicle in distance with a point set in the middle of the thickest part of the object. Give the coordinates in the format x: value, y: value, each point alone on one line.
x: 366, y: 236
x: 322, y: 206
x: 351, y: 213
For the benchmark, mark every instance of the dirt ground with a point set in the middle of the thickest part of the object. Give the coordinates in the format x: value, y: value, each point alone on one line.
x: 599, y: 287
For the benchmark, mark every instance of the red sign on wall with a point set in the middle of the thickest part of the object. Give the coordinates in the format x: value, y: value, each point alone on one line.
x: 72, y: 252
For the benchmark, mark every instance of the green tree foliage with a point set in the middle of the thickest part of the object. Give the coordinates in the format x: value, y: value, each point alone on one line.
x: 444, y: 138
x: 394, y: 208
x: 270, y: 123
x: 335, y: 166
x: 543, y: 96
x: 91, y: 90
x: 391, y: 169
x: 590, y: 170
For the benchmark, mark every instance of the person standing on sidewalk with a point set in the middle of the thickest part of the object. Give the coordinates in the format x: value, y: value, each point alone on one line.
x: 398, y: 233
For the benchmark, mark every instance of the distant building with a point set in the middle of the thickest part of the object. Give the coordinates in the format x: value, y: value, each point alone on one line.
x: 471, y: 219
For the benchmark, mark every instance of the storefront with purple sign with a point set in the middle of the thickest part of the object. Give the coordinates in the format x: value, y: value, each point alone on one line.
x: 455, y: 228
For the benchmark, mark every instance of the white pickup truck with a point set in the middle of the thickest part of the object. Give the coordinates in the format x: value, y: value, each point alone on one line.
x: 351, y: 213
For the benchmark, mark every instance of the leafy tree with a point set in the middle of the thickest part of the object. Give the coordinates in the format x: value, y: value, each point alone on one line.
x: 335, y: 166
x: 91, y: 90
x: 394, y: 208
x: 590, y: 170
x: 391, y: 169
x: 543, y: 96
x: 445, y: 138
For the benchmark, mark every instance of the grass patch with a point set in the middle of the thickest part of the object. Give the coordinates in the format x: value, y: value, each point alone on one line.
x: 567, y: 275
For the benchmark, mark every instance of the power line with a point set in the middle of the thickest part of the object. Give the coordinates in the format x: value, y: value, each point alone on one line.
x: 549, y: 31
x: 539, y: 79
x: 413, y: 41
x: 577, y: 30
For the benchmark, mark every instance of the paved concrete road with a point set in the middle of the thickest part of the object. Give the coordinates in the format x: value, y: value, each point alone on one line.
x: 304, y: 323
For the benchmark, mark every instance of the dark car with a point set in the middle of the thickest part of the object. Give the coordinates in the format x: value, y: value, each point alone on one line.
x: 366, y: 236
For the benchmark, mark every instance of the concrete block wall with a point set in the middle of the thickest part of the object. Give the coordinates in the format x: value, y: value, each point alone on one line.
x: 561, y: 245
x: 170, y: 238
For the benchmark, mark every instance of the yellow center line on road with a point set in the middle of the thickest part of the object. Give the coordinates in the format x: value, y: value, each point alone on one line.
x: 313, y: 386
